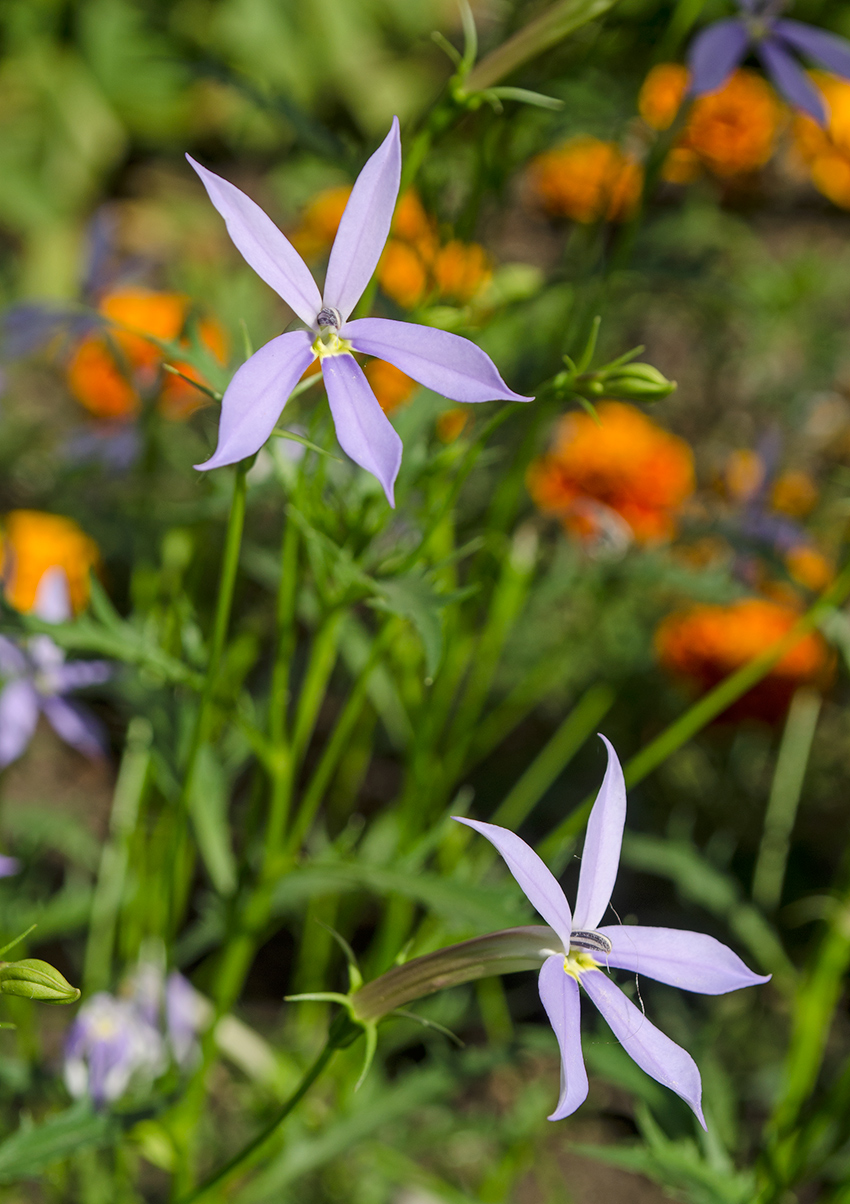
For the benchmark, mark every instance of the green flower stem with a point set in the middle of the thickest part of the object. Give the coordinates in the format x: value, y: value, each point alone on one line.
x: 558, y: 844
x: 785, y: 797
x: 343, y: 1032
x: 286, y: 596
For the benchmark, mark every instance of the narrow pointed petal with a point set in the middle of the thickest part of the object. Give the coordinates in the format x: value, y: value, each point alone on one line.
x: 75, y: 726
x: 559, y: 995
x: 538, y: 883
x: 365, y: 226
x: 828, y: 49
x: 261, y: 244
x: 12, y: 660
x: 600, y: 859
x: 645, y: 1044
x: 76, y: 675
x: 440, y: 361
x: 52, y: 599
x: 256, y: 396
x: 791, y: 79
x: 690, y: 960
x: 715, y: 53
x: 362, y: 428
x: 18, y: 717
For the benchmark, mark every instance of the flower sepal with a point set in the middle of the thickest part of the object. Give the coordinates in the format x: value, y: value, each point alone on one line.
x: 32, y: 978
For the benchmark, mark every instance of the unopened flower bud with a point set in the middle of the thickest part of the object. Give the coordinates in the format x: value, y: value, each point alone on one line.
x: 35, y: 979
x: 637, y: 382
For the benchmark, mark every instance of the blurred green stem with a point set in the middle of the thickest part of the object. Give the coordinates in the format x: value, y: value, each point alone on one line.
x: 784, y: 799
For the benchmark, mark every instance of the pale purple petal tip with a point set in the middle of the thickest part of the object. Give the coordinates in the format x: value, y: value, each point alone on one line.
x: 75, y: 726
x: 654, y: 1052
x: 362, y: 428
x: 828, y: 49
x: 715, y: 53
x: 537, y: 881
x: 690, y: 960
x: 255, y: 398
x: 442, y: 362
x: 76, y: 675
x: 8, y: 866
x: 601, y: 856
x: 52, y: 598
x: 791, y: 80
x: 18, y: 719
x: 262, y: 245
x: 365, y: 226
x: 559, y: 995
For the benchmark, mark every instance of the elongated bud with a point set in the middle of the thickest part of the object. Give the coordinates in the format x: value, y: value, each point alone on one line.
x: 629, y: 382
x: 34, y: 979
x: 497, y: 953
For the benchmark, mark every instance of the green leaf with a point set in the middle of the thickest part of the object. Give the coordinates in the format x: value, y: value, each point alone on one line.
x: 34, y: 1147
x: 412, y: 597
x: 208, y: 800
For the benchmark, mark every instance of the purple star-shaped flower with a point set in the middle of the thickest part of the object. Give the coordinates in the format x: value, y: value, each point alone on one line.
x: 683, y: 959
x: 255, y: 397
x: 720, y: 47
x: 109, y: 1044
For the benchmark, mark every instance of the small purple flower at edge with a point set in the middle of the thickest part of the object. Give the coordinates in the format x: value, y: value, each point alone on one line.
x: 690, y: 960
x: 718, y: 49
x: 254, y: 399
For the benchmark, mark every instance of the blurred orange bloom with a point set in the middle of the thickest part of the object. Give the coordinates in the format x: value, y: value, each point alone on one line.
x: 33, y: 542
x: 809, y: 567
x: 730, y: 131
x: 794, y: 493
x: 450, y: 423
x: 827, y: 152
x: 707, y: 643
x: 662, y: 93
x: 392, y: 387
x: 744, y: 474
x: 626, y: 463
x: 320, y: 221
x: 586, y: 180
x: 461, y: 270
x: 402, y: 274
x: 109, y: 369
x: 414, y: 226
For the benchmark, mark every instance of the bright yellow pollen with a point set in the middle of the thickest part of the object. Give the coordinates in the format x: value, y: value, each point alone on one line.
x: 578, y: 961
x: 329, y: 343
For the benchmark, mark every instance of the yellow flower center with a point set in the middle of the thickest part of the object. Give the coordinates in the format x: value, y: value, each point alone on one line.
x: 327, y: 342
x: 578, y: 962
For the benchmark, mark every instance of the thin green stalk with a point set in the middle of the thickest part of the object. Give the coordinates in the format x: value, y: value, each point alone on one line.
x: 784, y: 799
x: 286, y: 595
x: 114, y: 859
x: 558, y: 844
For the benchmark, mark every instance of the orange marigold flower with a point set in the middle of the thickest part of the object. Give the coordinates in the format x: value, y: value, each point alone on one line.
x: 706, y: 643
x: 33, y: 542
x: 402, y: 274
x: 586, y: 180
x: 413, y: 225
x: 178, y: 399
x: 809, y: 567
x: 320, y: 221
x: 98, y: 383
x: 734, y: 129
x: 662, y: 93
x: 827, y: 152
x: 626, y: 463
x: 392, y: 387
x: 461, y: 270
x: 794, y: 493
x: 161, y: 315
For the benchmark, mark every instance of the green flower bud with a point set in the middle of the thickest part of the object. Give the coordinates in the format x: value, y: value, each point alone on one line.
x: 34, y: 979
x: 637, y: 382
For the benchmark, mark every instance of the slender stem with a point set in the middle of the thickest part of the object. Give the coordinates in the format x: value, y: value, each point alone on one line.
x: 286, y: 595
x: 785, y: 797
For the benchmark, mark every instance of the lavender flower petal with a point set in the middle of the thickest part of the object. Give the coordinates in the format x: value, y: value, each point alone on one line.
x: 8, y: 866
x: 791, y: 80
x: 52, y: 599
x: 601, y: 856
x: 262, y: 245
x: 560, y: 997
x: 75, y: 726
x: 362, y: 428
x: 18, y: 718
x: 828, y: 49
x: 12, y: 660
x: 440, y: 361
x: 536, y: 880
x: 654, y: 1052
x: 255, y: 398
x: 76, y: 675
x: 186, y: 1014
x: 690, y: 960
x: 715, y: 53
x: 365, y: 226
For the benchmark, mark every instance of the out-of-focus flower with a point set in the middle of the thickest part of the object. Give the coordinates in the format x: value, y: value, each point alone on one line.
x: 626, y: 464
x: 403, y: 274
x: 36, y: 679
x: 826, y: 151
x: 450, y: 424
x: 794, y: 493
x: 718, y: 49
x: 706, y: 643
x: 730, y: 131
x: 32, y: 543
x: 662, y: 93
x: 187, y: 1013
x: 320, y: 221
x: 586, y: 180
x: 392, y: 387
x: 9, y: 866
x: 256, y: 395
x: 111, y: 1045
x: 809, y: 567
x: 745, y: 474
x: 461, y: 270
x: 584, y: 951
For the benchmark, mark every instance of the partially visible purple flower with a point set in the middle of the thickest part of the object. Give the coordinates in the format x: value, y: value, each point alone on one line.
x: 110, y: 1045
x: 9, y: 866
x: 114, y: 445
x: 187, y: 1013
x: 440, y: 361
x: 683, y: 959
x: 719, y: 48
